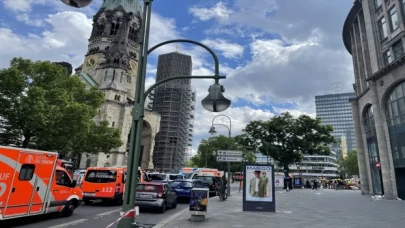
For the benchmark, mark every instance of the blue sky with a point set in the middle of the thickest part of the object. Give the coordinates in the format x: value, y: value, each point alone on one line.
x: 277, y: 54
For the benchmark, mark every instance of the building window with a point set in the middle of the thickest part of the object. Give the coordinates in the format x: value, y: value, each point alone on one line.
x: 122, y: 75
x: 398, y: 49
x: 369, y: 122
x: 396, y: 106
x: 383, y: 28
x: 100, y: 27
x: 377, y: 3
x: 129, y: 79
x: 394, y: 18
x: 105, y: 75
x: 113, y: 124
x: 114, y: 27
x: 387, y: 57
x: 403, y: 7
x: 132, y: 33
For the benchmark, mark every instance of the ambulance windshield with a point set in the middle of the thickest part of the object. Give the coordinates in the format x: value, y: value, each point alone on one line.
x: 101, y: 176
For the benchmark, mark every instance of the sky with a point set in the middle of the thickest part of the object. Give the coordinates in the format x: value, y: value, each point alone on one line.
x: 277, y: 54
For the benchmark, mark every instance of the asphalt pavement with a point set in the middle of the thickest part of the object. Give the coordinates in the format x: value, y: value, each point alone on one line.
x: 96, y: 215
x: 99, y: 215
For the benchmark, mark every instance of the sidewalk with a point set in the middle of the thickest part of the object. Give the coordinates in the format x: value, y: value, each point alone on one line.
x: 302, y: 208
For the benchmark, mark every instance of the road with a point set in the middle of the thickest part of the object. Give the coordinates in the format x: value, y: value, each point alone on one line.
x: 97, y: 215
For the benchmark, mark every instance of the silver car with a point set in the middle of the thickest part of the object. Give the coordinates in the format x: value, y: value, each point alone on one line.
x: 155, y: 195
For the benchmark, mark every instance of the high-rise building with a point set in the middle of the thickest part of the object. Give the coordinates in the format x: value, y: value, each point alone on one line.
x: 335, y: 110
x: 175, y: 101
x: 374, y: 34
x: 111, y: 65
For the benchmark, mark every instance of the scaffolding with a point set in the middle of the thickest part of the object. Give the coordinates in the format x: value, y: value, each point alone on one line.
x: 176, y: 104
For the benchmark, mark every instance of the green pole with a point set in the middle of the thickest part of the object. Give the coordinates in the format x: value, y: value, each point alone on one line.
x: 137, y: 121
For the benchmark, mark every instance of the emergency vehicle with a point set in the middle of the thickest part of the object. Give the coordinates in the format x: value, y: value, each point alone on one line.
x: 107, y: 183
x: 31, y: 183
x: 191, y: 173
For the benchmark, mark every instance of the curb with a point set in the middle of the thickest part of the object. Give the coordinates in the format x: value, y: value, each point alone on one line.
x: 171, y: 218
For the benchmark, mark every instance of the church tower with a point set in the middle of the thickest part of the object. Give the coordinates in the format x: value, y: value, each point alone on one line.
x: 111, y: 64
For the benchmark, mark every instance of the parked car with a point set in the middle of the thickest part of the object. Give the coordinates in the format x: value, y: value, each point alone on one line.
x: 165, y: 177
x: 182, y: 188
x: 209, y: 181
x: 155, y: 195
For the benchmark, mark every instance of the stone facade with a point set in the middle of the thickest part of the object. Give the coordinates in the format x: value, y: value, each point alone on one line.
x: 111, y: 64
x: 374, y: 34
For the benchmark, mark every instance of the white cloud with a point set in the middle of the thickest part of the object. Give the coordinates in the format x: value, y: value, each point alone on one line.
x: 228, y: 49
x: 29, y: 21
x: 21, y: 5
x: 219, y: 12
x: 65, y: 41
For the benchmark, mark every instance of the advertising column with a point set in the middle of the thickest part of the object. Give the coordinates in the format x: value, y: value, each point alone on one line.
x: 259, y: 191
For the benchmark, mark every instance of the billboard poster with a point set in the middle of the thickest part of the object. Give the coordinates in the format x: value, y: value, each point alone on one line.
x: 259, y: 183
x: 199, y: 200
x: 259, y: 188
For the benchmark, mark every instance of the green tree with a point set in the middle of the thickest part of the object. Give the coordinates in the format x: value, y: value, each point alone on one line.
x: 205, y: 156
x: 45, y: 108
x: 286, y: 139
x: 349, y: 166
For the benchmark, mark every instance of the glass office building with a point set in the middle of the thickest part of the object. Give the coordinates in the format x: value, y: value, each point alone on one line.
x: 335, y: 110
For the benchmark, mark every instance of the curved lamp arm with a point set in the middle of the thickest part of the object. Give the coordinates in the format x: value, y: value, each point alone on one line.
x: 179, y: 77
x: 230, y: 122
x: 214, y: 56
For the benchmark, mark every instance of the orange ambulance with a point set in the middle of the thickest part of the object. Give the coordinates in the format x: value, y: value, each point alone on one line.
x: 31, y: 183
x: 104, y: 183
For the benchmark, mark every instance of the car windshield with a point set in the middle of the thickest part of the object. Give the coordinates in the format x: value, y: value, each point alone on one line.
x: 146, y: 188
x: 188, y: 176
x: 208, y: 180
x: 101, y: 176
x: 157, y: 177
x: 182, y: 184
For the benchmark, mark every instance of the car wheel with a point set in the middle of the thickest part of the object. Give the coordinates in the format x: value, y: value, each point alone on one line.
x: 162, y: 209
x: 87, y: 201
x: 68, y: 209
x: 174, y: 205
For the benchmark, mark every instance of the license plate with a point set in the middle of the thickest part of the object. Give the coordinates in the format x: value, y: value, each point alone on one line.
x: 179, y: 190
x: 144, y: 196
x: 90, y: 194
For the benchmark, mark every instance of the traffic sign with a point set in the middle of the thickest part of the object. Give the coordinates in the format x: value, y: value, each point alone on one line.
x: 229, y: 159
x: 229, y: 153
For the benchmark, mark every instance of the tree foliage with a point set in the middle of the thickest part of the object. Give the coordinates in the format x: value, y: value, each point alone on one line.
x: 206, y: 148
x: 349, y: 165
x: 286, y: 139
x: 43, y: 107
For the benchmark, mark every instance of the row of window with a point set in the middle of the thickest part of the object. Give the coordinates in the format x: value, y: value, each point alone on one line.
x: 129, y: 78
x: 115, y: 26
x: 384, y: 29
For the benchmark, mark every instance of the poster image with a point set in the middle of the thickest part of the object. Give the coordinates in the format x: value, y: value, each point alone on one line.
x: 199, y: 200
x: 259, y: 183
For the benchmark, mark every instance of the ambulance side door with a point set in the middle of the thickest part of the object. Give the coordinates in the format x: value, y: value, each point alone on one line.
x: 61, y: 189
x: 22, y: 186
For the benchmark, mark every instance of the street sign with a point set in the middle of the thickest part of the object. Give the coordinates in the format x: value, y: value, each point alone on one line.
x: 229, y: 153
x: 229, y: 159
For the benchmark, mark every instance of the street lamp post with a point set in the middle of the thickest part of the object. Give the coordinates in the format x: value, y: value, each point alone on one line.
x: 213, y: 131
x: 214, y: 102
